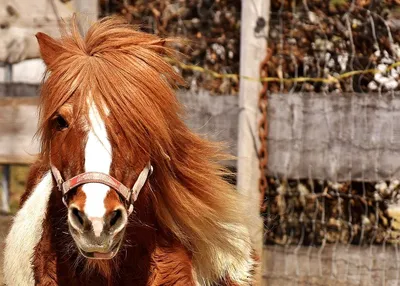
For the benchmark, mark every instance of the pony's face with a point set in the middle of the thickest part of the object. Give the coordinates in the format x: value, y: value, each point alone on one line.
x: 97, y: 215
x: 106, y: 108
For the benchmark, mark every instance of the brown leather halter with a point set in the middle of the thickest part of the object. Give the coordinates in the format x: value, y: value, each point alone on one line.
x: 129, y: 195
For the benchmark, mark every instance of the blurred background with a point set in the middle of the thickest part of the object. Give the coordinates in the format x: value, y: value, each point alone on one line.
x: 306, y: 95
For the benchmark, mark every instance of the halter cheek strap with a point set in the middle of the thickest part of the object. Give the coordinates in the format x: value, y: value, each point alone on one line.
x: 130, y: 195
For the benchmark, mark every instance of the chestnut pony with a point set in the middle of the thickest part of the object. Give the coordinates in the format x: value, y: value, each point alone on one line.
x: 123, y: 193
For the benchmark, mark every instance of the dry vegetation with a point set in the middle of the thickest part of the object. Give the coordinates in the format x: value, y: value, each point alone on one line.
x: 212, y: 29
x: 19, y: 174
x: 322, y: 39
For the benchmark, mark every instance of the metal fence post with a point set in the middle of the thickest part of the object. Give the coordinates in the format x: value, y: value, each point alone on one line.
x: 5, y: 195
x: 8, y: 74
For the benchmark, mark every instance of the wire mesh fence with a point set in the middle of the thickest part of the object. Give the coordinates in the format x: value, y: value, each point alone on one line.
x: 322, y: 39
x: 210, y: 30
x: 331, y: 209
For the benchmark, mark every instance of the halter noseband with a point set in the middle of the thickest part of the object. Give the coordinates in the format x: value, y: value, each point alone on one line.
x: 130, y: 195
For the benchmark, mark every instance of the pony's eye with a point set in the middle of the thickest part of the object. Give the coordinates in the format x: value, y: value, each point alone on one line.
x: 61, y: 123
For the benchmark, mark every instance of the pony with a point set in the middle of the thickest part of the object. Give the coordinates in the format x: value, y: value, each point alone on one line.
x: 122, y: 192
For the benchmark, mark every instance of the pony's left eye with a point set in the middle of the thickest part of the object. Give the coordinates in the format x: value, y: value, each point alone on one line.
x: 61, y: 123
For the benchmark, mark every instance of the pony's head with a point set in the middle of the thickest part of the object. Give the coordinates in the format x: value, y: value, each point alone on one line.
x: 100, y: 113
x: 108, y: 106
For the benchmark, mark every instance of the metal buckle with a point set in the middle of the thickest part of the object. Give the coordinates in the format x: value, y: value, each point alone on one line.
x: 60, y: 186
x: 130, y: 202
x: 64, y: 201
x: 130, y: 209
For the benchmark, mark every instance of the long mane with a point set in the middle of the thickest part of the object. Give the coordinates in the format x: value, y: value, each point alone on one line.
x: 125, y: 69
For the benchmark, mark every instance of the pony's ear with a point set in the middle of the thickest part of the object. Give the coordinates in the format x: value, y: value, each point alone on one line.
x: 50, y: 48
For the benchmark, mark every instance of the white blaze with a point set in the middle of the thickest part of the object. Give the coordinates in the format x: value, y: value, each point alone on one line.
x: 97, y: 159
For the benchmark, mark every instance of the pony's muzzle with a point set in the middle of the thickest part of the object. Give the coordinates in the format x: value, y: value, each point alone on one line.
x: 112, y: 222
x: 97, y: 237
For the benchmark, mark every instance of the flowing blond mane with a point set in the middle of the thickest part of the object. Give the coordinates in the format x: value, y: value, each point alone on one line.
x: 125, y: 69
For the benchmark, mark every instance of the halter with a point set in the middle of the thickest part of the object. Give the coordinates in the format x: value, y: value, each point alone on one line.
x: 129, y: 195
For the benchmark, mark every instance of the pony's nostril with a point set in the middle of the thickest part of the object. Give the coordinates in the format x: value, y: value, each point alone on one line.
x: 115, y: 217
x: 78, y: 215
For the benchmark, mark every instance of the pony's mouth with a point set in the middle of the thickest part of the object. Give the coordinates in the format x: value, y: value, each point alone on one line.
x: 101, y: 255
x: 104, y: 247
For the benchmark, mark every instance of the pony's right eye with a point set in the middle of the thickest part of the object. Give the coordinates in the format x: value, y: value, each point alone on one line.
x: 60, y: 123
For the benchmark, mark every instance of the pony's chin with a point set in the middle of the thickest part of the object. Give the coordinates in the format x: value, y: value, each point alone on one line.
x: 101, y: 255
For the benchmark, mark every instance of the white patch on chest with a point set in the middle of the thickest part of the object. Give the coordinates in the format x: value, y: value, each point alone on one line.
x: 25, y: 234
x: 97, y: 159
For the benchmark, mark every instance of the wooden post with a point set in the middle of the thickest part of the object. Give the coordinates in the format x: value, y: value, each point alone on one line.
x: 252, y: 52
x: 88, y: 12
